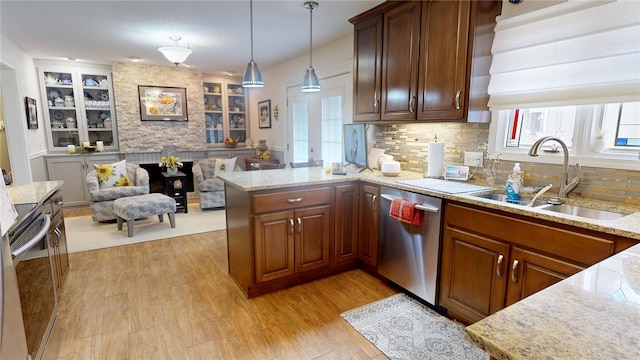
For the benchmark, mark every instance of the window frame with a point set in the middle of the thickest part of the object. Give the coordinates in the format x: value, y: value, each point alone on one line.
x: 586, y: 128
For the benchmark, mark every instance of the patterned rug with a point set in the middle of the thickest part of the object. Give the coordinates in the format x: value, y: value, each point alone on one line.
x: 403, y: 328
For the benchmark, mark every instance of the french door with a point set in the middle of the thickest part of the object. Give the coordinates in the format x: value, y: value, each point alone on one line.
x: 316, y: 119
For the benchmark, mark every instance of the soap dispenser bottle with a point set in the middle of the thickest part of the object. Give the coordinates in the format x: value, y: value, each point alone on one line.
x: 514, y: 183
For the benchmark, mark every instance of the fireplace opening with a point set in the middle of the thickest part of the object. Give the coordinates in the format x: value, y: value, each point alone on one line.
x: 155, y: 177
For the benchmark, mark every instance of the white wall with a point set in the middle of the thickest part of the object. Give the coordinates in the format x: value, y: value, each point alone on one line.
x: 289, y: 73
x: 23, y: 144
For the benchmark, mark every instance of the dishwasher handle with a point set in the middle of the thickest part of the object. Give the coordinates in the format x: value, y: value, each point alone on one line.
x: 35, y: 239
x: 423, y: 207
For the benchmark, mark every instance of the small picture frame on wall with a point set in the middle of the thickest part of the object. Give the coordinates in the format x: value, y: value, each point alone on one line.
x: 31, y: 109
x: 264, y: 112
x: 159, y: 103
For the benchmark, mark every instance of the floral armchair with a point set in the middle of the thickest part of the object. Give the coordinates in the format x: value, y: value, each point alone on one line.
x: 210, y: 188
x: 102, y: 199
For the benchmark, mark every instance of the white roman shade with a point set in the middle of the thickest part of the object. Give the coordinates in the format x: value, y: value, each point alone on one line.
x: 572, y: 53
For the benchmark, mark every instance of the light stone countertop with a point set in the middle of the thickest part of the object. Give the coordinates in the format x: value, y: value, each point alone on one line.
x: 626, y: 226
x: 35, y: 192
x: 594, y: 314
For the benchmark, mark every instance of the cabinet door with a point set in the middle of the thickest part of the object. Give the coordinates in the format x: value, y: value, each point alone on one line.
x: 70, y: 169
x: 60, y: 98
x: 58, y: 248
x: 474, y: 275
x: 274, y: 246
x: 530, y: 272
x: 214, y: 121
x: 443, y: 60
x: 401, y: 43
x: 312, y: 227
x: 368, y: 224
x: 99, y: 110
x: 367, y: 70
x: 345, y: 224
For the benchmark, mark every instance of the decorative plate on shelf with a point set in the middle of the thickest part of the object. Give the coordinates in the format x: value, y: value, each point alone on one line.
x: 53, y: 94
x: 58, y: 115
x: 238, y: 101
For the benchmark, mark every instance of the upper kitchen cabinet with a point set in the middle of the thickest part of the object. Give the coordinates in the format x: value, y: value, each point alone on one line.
x: 79, y: 106
x: 423, y: 61
x: 225, y: 111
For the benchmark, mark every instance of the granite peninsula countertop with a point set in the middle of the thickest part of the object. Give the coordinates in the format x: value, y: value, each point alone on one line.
x: 35, y: 192
x: 594, y: 314
x: 626, y: 226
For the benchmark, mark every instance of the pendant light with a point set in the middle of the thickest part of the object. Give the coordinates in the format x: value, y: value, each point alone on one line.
x: 175, y: 53
x: 252, y: 76
x: 310, y: 82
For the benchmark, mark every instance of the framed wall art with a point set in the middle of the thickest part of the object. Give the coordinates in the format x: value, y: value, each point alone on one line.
x: 163, y: 103
x: 32, y: 113
x: 264, y: 109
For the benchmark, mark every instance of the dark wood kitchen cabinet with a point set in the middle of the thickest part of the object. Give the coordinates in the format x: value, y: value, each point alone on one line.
x: 423, y: 60
x: 57, y: 239
x: 492, y: 259
x: 369, y: 224
x: 345, y: 245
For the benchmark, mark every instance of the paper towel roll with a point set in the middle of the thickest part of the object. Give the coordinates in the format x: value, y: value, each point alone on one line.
x: 435, y: 160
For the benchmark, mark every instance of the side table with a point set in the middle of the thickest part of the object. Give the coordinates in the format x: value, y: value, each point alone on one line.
x: 175, y: 186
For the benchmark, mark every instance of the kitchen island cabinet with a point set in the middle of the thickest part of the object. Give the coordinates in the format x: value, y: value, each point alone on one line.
x: 368, y: 228
x: 56, y: 236
x: 491, y: 260
x: 346, y: 223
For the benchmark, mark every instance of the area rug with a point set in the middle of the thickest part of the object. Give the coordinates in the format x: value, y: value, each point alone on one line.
x: 85, y: 234
x: 403, y: 328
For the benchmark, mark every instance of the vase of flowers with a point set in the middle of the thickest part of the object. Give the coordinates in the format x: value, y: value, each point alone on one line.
x: 172, y: 163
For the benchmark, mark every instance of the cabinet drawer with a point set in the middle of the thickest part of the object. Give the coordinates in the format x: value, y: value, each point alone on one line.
x: 290, y: 199
x: 54, y: 204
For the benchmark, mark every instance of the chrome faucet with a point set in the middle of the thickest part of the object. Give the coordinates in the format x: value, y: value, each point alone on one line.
x: 565, y: 187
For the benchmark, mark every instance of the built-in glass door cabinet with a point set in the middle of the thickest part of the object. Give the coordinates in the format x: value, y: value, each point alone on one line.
x: 225, y: 112
x: 79, y: 106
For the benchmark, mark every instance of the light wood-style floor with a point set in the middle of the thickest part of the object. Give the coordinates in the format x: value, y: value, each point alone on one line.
x: 173, y: 299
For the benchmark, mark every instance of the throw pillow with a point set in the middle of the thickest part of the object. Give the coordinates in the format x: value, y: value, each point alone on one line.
x: 225, y: 166
x: 113, y: 175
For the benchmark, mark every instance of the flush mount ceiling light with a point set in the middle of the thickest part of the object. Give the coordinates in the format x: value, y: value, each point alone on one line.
x: 310, y: 82
x: 175, y: 53
x: 252, y: 76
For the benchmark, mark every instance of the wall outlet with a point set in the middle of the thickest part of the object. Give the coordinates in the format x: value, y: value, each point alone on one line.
x: 473, y: 158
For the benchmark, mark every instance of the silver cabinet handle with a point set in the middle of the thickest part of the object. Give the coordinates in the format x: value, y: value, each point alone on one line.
x: 499, y: 269
x: 59, y: 202
x: 514, y: 267
x: 423, y: 207
x: 291, y: 223
x: 458, y: 99
x: 375, y: 103
x: 299, y: 225
x: 373, y: 202
x: 296, y: 200
x: 412, y: 103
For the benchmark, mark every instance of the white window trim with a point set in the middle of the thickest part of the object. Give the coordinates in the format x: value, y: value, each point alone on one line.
x: 581, y: 152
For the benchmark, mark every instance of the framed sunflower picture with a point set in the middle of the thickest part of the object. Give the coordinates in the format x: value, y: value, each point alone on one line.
x: 163, y: 103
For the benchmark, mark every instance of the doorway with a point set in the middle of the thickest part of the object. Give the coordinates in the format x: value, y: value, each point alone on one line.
x: 315, y: 120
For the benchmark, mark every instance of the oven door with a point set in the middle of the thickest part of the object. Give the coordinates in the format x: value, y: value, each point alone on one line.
x: 35, y: 284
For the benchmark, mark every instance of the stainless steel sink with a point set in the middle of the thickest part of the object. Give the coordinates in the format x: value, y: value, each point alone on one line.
x: 503, y: 198
x: 581, y: 211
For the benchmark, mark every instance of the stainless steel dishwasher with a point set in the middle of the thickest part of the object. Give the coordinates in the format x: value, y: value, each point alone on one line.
x: 408, y: 254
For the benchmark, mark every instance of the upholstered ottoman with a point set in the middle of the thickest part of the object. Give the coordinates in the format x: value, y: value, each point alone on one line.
x: 136, y: 207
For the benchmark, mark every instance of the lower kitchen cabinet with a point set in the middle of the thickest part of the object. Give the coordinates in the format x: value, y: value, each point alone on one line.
x: 345, y: 248
x: 492, y: 259
x: 369, y: 222
x: 291, y: 242
x: 73, y: 170
x: 276, y: 239
x: 57, y: 240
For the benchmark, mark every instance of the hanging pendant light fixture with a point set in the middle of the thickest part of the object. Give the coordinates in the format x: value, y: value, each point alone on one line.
x: 310, y: 82
x: 252, y: 76
x: 175, y: 53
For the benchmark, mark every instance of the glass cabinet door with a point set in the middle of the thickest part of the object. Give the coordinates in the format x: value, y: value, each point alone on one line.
x: 213, y: 112
x: 237, y: 112
x: 97, y: 109
x: 61, y: 108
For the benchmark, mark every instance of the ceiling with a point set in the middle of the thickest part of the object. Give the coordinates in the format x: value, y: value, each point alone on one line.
x: 218, y: 32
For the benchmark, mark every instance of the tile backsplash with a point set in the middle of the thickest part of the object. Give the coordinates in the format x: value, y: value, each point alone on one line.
x: 408, y: 143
